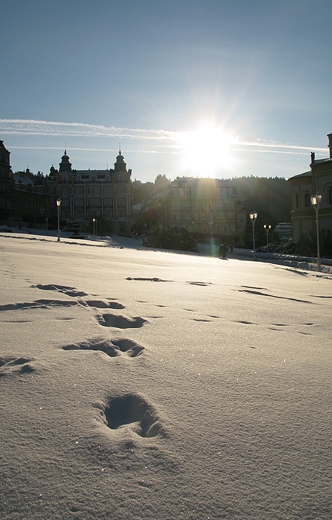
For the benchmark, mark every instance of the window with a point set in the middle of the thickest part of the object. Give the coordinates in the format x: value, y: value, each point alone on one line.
x: 330, y: 197
x: 297, y: 201
x: 307, y: 199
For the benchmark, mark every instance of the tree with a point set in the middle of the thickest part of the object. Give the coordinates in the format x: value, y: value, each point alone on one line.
x: 161, y: 183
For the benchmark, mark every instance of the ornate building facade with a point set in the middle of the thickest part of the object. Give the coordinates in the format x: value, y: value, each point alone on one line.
x: 317, y: 179
x: 203, y: 206
x: 6, y: 183
x: 22, y: 201
x: 103, y: 196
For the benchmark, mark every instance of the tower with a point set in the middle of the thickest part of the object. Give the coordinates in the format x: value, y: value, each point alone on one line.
x: 65, y: 165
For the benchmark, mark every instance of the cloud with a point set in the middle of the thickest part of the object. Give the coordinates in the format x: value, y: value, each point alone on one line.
x: 86, y: 149
x: 165, y: 138
x: 269, y: 144
x: 53, y: 128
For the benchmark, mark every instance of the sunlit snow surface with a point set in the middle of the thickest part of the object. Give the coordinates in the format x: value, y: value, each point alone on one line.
x: 139, y: 384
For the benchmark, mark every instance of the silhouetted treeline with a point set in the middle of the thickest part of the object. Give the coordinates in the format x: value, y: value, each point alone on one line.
x: 270, y: 197
x: 144, y: 191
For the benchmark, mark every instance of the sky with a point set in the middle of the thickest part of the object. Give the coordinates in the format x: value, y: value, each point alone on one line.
x: 204, y: 88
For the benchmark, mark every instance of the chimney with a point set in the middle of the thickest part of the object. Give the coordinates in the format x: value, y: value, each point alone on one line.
x: 330, y: 144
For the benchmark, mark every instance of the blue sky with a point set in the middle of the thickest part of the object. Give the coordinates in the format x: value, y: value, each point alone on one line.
x: 149, y: 75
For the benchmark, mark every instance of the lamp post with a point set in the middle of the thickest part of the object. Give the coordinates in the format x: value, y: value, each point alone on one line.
x: 94, y: 227
x: 267, y: 228
x: 315, y: 201
x: 253, y: 217
x: 58, y: 203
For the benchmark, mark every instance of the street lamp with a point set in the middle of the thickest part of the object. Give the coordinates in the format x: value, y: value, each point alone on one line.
x: 267, y: 228
x: 58, y: 203
x: 94, y: 227
x: 253, y: 216
x: 315, y: 201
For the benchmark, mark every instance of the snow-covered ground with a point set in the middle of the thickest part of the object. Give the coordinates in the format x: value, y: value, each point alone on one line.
x: 309, y: 264
x: 141, y: 384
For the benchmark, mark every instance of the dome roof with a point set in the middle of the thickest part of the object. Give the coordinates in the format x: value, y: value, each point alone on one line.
x: 65, y: 165
x: 120, y: 165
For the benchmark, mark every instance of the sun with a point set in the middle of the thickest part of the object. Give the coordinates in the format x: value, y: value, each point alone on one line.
x: 206, y: 151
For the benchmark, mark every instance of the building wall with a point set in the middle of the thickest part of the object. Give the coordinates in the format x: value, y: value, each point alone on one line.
x: 6, y: 183
x: 202, y: 206
x: 302, y: 213
x: 94, y: 194
x: 317, y: 179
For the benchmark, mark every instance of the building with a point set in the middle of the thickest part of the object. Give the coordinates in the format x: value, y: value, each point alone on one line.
x: 101, y: 196
x: 6, y: 184
x: 203, y: 206
x: 23, y: 201
x: 317, y: 179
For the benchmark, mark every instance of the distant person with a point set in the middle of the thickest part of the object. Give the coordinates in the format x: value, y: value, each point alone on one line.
x: 222, y: 251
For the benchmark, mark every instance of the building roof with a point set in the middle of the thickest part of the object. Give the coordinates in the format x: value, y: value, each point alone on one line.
x: 320, y: 161
x: 23, y: 178
x: 304, y: 174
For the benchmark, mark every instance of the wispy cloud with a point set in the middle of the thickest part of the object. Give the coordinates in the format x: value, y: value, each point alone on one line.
x: 269, y: 144
x: 53, y: 128
x: 91, y: 149
x: 168, y: 138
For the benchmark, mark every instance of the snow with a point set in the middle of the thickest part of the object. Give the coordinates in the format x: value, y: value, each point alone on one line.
x: 146, y: 384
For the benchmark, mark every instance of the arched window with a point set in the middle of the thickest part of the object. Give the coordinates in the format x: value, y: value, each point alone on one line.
x: 307, y: 199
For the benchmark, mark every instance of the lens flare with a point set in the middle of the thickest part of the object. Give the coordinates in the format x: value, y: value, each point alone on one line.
x: 206, y: 151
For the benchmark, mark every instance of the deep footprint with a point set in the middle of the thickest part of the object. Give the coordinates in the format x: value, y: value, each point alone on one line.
x: 100, y: 304
x: 129, y: 347
x: 9, y: 365
x: 69, y: 291
x: 111, y: 348
x: 202, y: 284
x: 134, y: 411
x: 147, y: 279
x: 120, y: 322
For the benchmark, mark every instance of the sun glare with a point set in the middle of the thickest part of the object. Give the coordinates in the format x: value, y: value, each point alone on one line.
x: 206, y: 151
